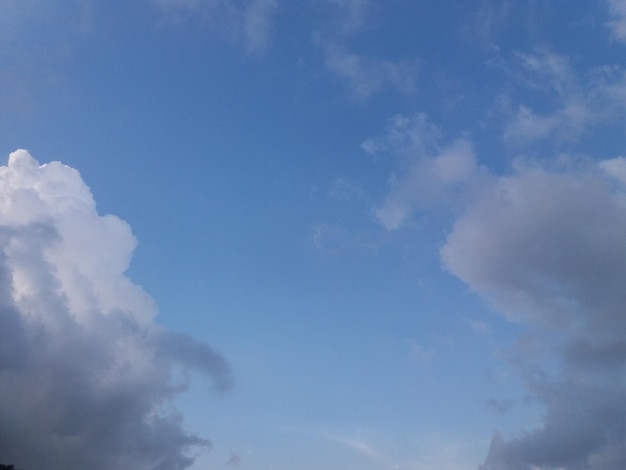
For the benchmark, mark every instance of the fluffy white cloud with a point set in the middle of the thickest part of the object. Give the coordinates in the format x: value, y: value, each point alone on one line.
x: 258, y: 25
x: 86, y: 376
x: 429, y: 171
x: 545, y: 246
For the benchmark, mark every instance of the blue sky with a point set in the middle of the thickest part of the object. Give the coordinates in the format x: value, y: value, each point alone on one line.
x: 378, y: 235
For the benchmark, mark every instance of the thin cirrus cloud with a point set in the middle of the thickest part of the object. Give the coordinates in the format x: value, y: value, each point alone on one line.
x: 352, y: 14
x: 365, y: 76
x: 429, y: 172
x: 86, y: 376
x: 617, y: 23
x: 248, y: 23
x: 573, y: 103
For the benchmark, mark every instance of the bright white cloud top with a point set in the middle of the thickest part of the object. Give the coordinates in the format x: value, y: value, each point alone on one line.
x: 402, y: 223
x: 86, y: 377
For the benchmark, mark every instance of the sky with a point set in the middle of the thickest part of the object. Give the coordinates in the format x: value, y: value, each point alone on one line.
x: 312, y: 234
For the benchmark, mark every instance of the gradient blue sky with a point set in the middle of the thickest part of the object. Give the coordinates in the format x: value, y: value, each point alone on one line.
x: 394, y: 219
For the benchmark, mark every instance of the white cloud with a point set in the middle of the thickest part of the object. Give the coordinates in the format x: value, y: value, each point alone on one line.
x: 366, y: 76
x: 258, y: 25
x: 352, y: 14
x: 617, y: 23
x: 545, y: 246
x: 615, y: 167
x: 80, y: 354
x: 429, y: 171
x: 571, y: 102
x: 566, y: 124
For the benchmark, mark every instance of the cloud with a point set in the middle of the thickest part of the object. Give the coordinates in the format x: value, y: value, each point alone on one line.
x: 36, y: 38
x: 87, y: 378
x: 544, y: 246
x: 480, y: 326
x: 366, y: 76
x: 352, y: 14
x: 248, y: 23
x: 362, y: 447
x: 500, y: 406
x: 571, y: 102
x: 550, y: 74
x: 429, y: 170
x: 489, y: 18
x: 427, y: 451
x: 615, y: 167
x: 233, y: 460
x: 258, y: 25
x: 421, y: 354
x: 617, y: 23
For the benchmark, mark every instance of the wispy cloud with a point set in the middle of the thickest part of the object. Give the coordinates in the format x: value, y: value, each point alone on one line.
x: 366, y: 76
x: 429, y: 170
x: 420, y: 353
x: 572, y: 102
x: 234, y: 460
x: 488, y: 18
x: 352, y: 14
x: 617, y: 23
x: 86, y: 376
x: 545, y: 246
x: 480, y: 326
x: 248, y: 23
x: 427, y: 452
x: 258, y: 25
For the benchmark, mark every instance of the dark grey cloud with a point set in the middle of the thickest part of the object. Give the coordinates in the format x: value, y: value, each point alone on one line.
x: 87, y: 379
x: 546, y: 247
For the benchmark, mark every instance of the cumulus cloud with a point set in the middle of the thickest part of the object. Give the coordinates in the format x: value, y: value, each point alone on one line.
x: 86, y: 376
x: 429, y: 170
x: 545, y: 246
x: 248, y: 22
